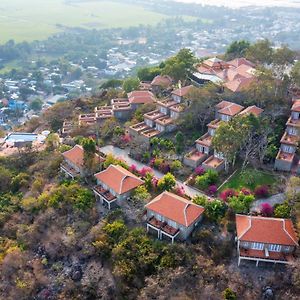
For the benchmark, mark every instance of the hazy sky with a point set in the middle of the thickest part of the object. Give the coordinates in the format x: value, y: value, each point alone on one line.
x: 239, y: 3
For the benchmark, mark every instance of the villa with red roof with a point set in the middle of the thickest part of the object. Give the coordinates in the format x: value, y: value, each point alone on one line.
x: 115, y: 185
x: 286, y: 159
x: 73, y: 164
x: 173, y: 216
x: 263, y: 239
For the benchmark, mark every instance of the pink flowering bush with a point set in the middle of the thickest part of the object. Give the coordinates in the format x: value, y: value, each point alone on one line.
x: 212, y: 190
x: 179, y: 190
x: 199, y: 171
x: 126, y: 138
x: 154, y: 182
x: 228, y: 193
x: 133, y: 168
x: 266, y: 210
x: 164, y: 167
x: 261, y: 191
x: 145, y: 170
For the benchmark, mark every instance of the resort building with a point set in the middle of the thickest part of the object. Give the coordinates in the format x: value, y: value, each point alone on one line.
x: 73, y: 164
x: 172, y: 216
x: 115, y: 185
x: 263, y: 239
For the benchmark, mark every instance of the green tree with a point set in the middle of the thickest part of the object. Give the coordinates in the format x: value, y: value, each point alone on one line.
x: 260, y: 52
x: 179, y: 137
x: 241, y: 203
x: 167, y: 182
x: 237, y: 49
x: 36, y: 104
x: 89, y: 160
x: 181, y: 65
x: 148, y: 73
x: 131, y: 84
x: 141, y: 194
x: 295, y: 74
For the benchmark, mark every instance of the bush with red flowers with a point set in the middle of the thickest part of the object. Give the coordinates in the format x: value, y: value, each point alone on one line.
x: 179, y: 190
x: 261, y: 191
x: 266, y: 210
x: 126, y: 138
x: 228, y: 193
x: 212, y: 190
x: 133, y: 169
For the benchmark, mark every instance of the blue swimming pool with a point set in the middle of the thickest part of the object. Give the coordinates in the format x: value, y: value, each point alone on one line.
x: 21, y: 137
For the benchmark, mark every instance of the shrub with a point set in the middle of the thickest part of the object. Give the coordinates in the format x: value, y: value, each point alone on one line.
x: 157, y: 162
x: 179, y: 190
x: 126, y: 138
x: 229, y: 294
x: 145, y: 170
x: 261, y: 191
x: 240, y: 203
x: 167, y: 183
x: 176, y: 165
x: 246, y: 191
x: 266, y: 209
x: 133, y: 168
x: 212, y: 190
x: 164, y: 168
x: 282, y: 210
x: 209, y: 178
x: 199, y: 171
x: 141, y: 194
x: 227, y: 193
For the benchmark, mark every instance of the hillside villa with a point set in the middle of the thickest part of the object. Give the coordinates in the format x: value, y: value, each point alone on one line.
x: 115, y: 185
x: 173, y: 216
x: 263, y: 239
x: 73, y: 164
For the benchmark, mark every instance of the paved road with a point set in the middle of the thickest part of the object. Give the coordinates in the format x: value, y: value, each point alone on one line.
x: 275, y: 199
x: 124, y: 154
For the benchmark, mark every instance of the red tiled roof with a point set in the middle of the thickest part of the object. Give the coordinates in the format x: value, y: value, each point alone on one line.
x: 176, y: 208
x: 266, y: 230
x: 239, y: 84
x: 182, y: 91
x: 241, y: 61
x: 229, y: 108
x: 163, y: 81
x: 141, y: 97
x: 76, y: 156
x: 296, y: 105
x: 252, y: 110
x: 119, y: 179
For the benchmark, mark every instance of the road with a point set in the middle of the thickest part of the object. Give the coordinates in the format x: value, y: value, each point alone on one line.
x: 124, y: 154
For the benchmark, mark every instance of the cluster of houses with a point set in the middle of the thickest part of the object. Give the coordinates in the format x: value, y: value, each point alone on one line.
x: 173, y: 217
x: 287, y: 159
x: 203, y: 154
x: 234, y: 75
x: 163, y: 118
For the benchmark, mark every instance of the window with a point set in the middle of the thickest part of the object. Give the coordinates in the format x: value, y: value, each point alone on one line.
x: 275, y: 248
x: 257, y: 246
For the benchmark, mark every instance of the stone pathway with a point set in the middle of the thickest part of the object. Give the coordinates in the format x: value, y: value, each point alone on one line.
x: 275, y: 199
x: 124, y: 154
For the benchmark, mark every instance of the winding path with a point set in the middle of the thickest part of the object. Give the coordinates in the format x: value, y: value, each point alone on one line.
x: 124, y: 154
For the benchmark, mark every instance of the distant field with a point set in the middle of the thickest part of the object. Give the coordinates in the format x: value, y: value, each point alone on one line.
x: 37, y: 19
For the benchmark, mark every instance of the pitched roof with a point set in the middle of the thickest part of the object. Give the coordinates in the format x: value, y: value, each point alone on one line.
x: 141, y: 97
x: 296, y: 105
x: 240, y: 61
x: 119, y: 179
x: 163, y: 81
x: 176, y: 208
x: 76, y: 156
x: 239, y: 84
x: 252, y: 110
x: 229, y: 108
x: 266, y: 230
x: 182, y: 91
